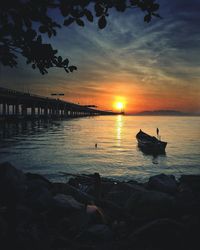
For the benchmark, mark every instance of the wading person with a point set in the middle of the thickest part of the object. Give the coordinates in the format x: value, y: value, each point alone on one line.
x: 157, y: 131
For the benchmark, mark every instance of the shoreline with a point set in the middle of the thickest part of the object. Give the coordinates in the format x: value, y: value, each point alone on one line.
x: 91, y: 212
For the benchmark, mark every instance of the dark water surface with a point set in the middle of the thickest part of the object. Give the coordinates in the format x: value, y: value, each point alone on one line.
x: 69, y: 146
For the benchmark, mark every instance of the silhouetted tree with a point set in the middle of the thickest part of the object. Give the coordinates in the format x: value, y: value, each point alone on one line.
x: 24, y: 22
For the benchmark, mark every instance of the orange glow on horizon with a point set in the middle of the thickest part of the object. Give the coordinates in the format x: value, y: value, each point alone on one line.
x: 131, y: 96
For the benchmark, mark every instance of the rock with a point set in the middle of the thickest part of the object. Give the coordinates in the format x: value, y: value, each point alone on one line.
x: 151, y: 204
x: 38, y: 196
x: 33, y: 236
x: 192, y: 225
x: 63, y: 226
x: 121, y: 192
x: 3, y: 229
x: 118, y: 197
x: 38, y: 178
x: 67, y: 202
x: 98, y: 232
x: 12, y: 183
x: 106, y: 186
x: 65, y: 188
x: 160, y: 234
x: 186, y: 200
x: 95, y: 215
x: 10, y: 175
x: 61, y: 243
x: 193, y: 181
x: 24, y: 214
x: 111, y: 210
x: 163, y: 183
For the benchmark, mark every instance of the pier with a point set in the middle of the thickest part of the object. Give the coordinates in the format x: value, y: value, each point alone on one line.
x: 16, y: 104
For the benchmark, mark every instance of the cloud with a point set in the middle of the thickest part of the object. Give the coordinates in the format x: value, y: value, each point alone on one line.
x: 162, y: 56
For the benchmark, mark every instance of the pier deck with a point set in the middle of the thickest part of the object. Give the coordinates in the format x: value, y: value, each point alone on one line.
x: 18, y: 104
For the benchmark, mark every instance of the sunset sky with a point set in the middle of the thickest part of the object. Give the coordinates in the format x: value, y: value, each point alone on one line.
x: 145, y: 66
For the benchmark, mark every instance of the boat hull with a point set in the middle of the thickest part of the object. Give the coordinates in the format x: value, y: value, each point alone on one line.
x: 150, y: 144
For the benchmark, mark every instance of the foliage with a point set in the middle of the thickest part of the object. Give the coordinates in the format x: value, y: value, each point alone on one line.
x: 23, y: 24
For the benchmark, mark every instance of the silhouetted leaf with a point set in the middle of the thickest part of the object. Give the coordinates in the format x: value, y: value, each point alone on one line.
x: 66, y: 62
x: 49, y: 33
x: 30, y: 34
x: 54, y: 32
x: 142, y: 6
x: 59, y: 59
x: 27, y: 22
x: 134, y: 2
x: 99, y: 9
x: 89, y: 15
x: 155, y: 7
x: 43, y: 29
x: 39, y: 39
x: 156, y: 15
x: 102, y: 22
x: 64, y: 8
x: 120, y: 6
x: 147, y: 18
x: 68, y: 21
x: 66, y: 70
x: 80, y: 22
x: 72, y: 68
x: 77, y: 13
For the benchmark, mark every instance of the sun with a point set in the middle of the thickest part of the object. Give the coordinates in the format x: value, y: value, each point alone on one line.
x: 119, y: 105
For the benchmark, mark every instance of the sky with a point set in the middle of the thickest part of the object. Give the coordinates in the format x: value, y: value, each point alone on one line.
x: 145, y: 66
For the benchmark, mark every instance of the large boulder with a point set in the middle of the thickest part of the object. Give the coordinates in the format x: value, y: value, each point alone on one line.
x: 187, y: 201
x: 10, y: 175
x: 121, y: 192
x: 163, y: 183
x: 192, y: 225
x: 160, y: 234
x: 3, y: 229
x: 12, y: 183
x: 98, y: 232
x: 37, y: 178
x: 151, y: 204
x: 65, y: 188
x: 67, y: 203
x: 193, y: 181
x: 95, y: 215
x: 33, y: 235
x: 38, y: 196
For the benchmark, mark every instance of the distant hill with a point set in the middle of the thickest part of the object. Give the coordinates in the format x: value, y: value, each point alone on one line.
x: 165, y: 112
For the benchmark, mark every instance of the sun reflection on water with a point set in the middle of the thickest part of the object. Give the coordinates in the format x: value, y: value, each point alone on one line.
x: 119, y: 128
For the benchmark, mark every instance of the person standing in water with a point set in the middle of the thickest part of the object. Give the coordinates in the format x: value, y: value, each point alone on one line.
x: 157, y: 131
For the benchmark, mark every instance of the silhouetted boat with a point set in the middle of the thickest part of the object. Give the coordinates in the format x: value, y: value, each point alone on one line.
x: 150, y: 144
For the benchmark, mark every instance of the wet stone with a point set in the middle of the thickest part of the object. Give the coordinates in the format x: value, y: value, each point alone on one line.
x: 160, y: 234
x: 67, y: 202
x: 98, y: 232
x: 151, y: 204
x: 163, y: 183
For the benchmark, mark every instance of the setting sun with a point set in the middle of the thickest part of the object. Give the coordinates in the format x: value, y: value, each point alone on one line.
x: 119, y: 105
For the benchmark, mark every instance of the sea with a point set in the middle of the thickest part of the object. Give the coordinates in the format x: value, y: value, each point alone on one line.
x: 53, y: 148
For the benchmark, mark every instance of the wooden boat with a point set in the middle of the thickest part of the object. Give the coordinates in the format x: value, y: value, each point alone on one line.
x: 150, y: 144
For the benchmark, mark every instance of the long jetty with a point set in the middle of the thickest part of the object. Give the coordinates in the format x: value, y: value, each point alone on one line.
x: 16, y: 104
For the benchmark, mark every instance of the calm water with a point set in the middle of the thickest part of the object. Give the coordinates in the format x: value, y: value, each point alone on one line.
x: 69, y: 146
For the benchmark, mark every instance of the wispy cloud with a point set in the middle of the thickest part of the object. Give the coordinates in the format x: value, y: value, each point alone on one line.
x: 163, y: 56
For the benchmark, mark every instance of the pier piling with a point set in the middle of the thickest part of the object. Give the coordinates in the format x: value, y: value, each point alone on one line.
x: 16, y: 104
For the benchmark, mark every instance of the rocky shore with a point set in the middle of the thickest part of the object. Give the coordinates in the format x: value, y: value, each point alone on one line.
x: 89, y: 212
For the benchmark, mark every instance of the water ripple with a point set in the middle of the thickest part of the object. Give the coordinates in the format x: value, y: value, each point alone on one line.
x: 69, y: 146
